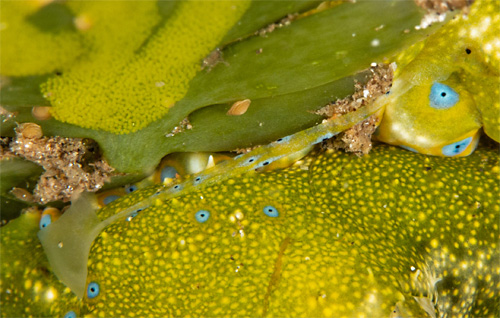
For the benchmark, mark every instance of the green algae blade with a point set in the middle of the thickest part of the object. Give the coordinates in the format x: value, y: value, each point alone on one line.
x: 325, y: 46
x: 23, y: 91
x: 15, y: 172
x: 324, y: 51
x: 262, y: 13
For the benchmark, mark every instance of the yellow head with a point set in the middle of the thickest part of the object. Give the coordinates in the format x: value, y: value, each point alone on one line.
x: 436, y: 118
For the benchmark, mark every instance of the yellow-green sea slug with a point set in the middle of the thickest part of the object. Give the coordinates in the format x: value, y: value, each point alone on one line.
x: 448, y: 87
x: 391, y: 233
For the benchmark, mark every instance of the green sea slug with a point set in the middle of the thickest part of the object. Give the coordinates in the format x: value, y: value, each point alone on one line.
x: 447, y: 88
x: 390, y: 233
x: 333, y: 235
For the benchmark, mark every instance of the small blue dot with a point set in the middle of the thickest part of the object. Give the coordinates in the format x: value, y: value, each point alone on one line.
x: 93, y: 290
x: 70, y: 314
x: 45, y: 221
x: 284, y: 139
x: 131, y: 188
x: 110, y: 198
x: 442, y: 96
x: 456, y: 148
x: 271, y: 211
x: 198, y: 180
x: 202, y: 216
x: 168, y: 172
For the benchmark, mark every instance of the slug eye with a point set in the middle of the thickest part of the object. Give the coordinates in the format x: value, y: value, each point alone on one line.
x: 456, y: 148
x: 131, y: 188
x: 70, y: 314
x: 442, y: 96
x: 202, y: 216
x: 45, y: 221
x: 271, y: 211
x: 93, y: 290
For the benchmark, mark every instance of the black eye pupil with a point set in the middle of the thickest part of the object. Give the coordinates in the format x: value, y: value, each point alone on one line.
x: 457, y: 146
x: 443, y: 94
x: 468, y: 51
x: 92, y: 289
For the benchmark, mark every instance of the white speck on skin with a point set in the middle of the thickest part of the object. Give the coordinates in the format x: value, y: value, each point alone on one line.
x: 375, y: 42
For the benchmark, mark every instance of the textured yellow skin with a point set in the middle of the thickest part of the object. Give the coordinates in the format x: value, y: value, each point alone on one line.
x: 355, y: 237
x: 133, y: 82
x: 53, y: 51
x: 410, y: 121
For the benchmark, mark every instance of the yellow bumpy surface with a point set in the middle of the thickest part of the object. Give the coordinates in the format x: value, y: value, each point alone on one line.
x: 444, y: 94
x: 29, y: 50
x: 129, y: 80
x: 335, y: 235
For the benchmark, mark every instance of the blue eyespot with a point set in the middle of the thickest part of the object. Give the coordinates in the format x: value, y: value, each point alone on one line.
x: 271, y: 211
x: 110, y: 198
x: 168, y: 172
x: 202, y: 216
x: 70, y: 314
x: 45, y: 221
x: 442, y: 96
x: 284, y: 139
x: 131, y: 188
x: 456, y: 148
x: 93, y: 290
x: 198, y: 180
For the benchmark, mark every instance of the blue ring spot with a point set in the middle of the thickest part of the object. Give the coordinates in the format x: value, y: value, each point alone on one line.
x: 456, y: 148
x: 110, y: 198
x: 442, y: 96
x: 202, y: 216
x: 93, y: 290
x: 45, y: 221
x: 284, y: 139
x: 168, y: 172
x: 131, y: 188
x: 70, y: 314
x: 271, y: 211
x: 198, y: 180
